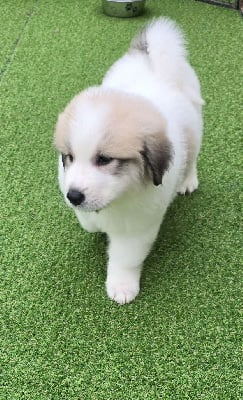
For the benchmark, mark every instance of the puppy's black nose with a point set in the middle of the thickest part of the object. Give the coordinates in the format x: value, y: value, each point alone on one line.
x: 75, y: 197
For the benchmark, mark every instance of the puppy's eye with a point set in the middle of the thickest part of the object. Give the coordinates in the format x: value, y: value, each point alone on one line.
x: 103, y: 160
x: 67, y: 159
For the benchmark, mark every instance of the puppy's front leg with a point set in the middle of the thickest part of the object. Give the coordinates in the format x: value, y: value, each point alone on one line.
x: 126, y: 255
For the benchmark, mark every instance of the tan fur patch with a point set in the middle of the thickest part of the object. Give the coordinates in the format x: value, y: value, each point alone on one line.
x: 64, y: 124
x: 131, y: 124
x: 130, y: 120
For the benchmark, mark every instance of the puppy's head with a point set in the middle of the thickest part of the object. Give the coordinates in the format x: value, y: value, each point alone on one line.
x: 110, y: 142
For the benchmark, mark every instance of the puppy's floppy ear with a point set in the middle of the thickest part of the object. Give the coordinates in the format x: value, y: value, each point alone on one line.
x: 61, y: 133
x: 157, y: 154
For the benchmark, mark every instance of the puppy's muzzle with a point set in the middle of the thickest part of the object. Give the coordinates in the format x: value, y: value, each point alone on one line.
x: 75, y: 197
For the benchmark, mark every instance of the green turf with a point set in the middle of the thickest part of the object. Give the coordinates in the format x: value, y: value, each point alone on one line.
x: 61, y: 337
x: 14, y: 20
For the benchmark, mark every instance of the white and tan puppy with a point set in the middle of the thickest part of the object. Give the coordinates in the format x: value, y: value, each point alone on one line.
x: 128, y: 146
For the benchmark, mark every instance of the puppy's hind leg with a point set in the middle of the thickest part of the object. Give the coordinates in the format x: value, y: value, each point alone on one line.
x: 190, y: 180
x: 190, y: 183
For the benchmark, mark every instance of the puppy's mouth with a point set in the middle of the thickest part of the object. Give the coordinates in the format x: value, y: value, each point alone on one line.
x: 77, y: 200
x: 89, y: 209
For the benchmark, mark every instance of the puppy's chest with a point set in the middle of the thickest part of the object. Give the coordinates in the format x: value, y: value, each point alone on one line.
x: 107, y: 222
x: 121, y: 221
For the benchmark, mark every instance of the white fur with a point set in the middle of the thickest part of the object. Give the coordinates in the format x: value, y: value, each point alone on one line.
x: 130, y: 211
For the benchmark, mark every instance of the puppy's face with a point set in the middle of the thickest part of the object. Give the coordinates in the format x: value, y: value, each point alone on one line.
x: 109, y: 142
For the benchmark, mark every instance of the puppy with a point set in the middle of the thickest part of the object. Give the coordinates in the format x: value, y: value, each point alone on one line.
x: 128, y: 146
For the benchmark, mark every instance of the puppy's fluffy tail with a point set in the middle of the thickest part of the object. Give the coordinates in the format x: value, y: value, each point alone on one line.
x: 161, y: 38
x: 164, y: 44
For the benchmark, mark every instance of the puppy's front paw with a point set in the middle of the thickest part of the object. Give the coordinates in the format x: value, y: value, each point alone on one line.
x: 121, y: 291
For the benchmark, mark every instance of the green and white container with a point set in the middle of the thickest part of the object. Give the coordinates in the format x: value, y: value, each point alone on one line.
x: 123, y: 8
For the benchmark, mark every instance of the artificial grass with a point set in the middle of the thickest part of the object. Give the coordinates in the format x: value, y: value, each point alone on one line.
x: 61, y: 337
